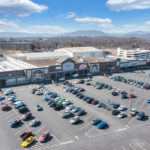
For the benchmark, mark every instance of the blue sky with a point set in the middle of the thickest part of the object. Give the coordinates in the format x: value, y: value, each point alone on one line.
x: 59, y: 16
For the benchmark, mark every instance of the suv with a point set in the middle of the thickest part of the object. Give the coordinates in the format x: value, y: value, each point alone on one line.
x: 140, y: 115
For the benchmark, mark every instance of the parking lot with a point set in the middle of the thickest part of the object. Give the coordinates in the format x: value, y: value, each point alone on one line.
x: 121, y: 134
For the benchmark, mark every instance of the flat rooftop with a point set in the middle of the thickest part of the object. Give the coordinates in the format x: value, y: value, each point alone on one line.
x: 55, y: 62
x: 12, y: 65
x: 80, y: 49
x: 38, y: 55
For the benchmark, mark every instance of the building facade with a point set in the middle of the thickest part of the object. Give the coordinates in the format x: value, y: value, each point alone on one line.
x: 134, y: 54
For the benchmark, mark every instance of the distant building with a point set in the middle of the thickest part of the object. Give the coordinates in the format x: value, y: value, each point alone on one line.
x: 134, y: 54
x: 81, y: 51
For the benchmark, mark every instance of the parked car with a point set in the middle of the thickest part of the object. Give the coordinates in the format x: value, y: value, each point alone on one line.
x: 18, y: 104
x: 23, y: 109
x: 8, y: 92
x: 28, y: 141
x: 95, y: 121
x: 122, y: 108
x: 2, y: 98
x: 58, y: 106
x: 34, y: 123
x: 121, y: 115
x: 75, y: 120
x: 26, y: 134
x: 67, y: 114
x: 148, y: 100
x: 140, y: 115
x: 5, y: 107
x: 115, y: 106
x: 133, y: 112
x: 38, y: 92
x: 39, y: 108
x: 94, y: 102
x: 26, y: 116
x: 80, y: 112
x: 76, y: 109
x: 34, y: 90
x: 115, y: 112
x: 15, y: 123
x: 102, y: 125
x: 44, y: 137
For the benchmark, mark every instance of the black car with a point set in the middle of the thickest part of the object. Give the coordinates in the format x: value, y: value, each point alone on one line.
x: 52, y: 104
x: 81, y: 96
x: 85, y: 98
x: 78, y: 94
x: 89, y: 100
x: 115, y: 112
x: 115, y: 106
x: 15, y: 123
x: 23, y: 109
x: 58, y: 106
x: 80, y: 112
x: 34, y: 90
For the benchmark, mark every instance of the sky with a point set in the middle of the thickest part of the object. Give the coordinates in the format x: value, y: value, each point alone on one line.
x: 60, y: 16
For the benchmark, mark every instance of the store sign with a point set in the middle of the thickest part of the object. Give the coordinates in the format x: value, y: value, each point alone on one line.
x: 68, y: 66
x: 133, y: 63
x: 58, y: 68
x: 83, y: 66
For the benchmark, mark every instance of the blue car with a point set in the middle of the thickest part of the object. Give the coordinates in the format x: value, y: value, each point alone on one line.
x: 148, y: 100
x: 46, y: 98
x: 102, y: 125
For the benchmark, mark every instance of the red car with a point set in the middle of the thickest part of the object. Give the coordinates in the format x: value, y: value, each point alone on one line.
x: 94, y: 102
x: 80, y: 90
x: 26, y: 116
x: 5, y: 107
x: 131, y: 96
x: 26, y: 134
x: 44, y: 137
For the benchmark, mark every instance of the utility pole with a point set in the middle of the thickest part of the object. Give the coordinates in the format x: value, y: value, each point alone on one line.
x: 131, y: 103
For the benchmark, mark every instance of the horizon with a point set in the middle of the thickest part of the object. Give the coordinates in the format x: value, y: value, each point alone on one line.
x: 58, y: 17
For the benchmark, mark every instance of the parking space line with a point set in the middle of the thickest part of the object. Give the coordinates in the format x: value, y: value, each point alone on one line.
x: 39, y: 130
x: 140, y: 145
x: 21, y: 130
x: 11, y: 115
x: 131, y: 146
x: 123, y: 148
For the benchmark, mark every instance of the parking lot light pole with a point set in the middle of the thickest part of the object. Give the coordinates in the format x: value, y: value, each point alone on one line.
x: 131, y: 104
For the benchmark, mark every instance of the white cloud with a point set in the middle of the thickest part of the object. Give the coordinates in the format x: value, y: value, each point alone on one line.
x: 68, y: 15
x: 4, y: 23
x: 92, y: 20
x: 128, y: 4
x: 129, y: 25
x: 45, y: 29
x: 148, y: 22
x: 103, y: 23
x: 20, y: 7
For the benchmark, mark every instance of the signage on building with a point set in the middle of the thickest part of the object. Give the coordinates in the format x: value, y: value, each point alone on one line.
x: 133, y: 63
x: 68, y: 66
x: 83, y: 66
x: 58, y: 68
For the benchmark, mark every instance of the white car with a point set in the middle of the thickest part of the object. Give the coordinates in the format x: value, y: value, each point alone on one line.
x: 121, y: 115
x: 75, y: 120
x: 122, y: 108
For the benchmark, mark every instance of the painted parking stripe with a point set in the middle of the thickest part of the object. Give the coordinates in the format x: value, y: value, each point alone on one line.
x: 21, y: 130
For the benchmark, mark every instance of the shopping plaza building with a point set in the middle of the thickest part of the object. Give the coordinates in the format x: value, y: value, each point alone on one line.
x: 63, y: 63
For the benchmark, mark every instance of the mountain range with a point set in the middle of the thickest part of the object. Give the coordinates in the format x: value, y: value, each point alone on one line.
x: 79, y: 33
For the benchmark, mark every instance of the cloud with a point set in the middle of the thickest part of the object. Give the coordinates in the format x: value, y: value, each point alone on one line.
x: 128, y: 4
x: 129, y: 25
x: 103, y: 23
x: 45, y: 29
x: 148, y: 22
x: 20, y: 7
x: 68, y: 15
x: 4, y: 23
